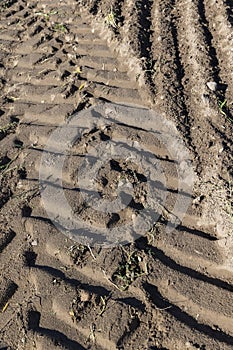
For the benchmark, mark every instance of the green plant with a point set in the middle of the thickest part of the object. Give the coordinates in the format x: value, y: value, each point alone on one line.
x: 59, y: 27
x: 7, y: 129
x: 153, y: 232
x: 77, y: 253
x: 110, y: 19
x: 5, y: 164
x: 131, y: 267
x: 46, y: 15
x: 224, y: 110
x: 103, y: 302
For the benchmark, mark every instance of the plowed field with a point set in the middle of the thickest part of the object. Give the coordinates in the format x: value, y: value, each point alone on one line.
x: 166, y: 289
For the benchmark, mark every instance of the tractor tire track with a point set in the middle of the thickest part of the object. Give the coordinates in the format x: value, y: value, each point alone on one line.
x: 56, y: 293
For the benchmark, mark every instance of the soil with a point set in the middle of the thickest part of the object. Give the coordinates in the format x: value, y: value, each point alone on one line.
x: 166, y: 289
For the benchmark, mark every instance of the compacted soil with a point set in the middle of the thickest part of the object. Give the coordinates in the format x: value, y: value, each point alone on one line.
x: 168, y: 289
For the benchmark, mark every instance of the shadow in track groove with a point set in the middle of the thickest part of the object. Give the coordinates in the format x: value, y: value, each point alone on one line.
x: 196, y: 232
x: 117, y: 8
x: 226, y: 141
x: 8, y: 292
x: 144, y: 9
x: 183, y: 317
x: 208, y: 37
x: 73, y: 232
x: 156, y: 185
x: 71, y: 281
x: 134, y: 302
x: 95, y: 7
x: 158, y: 254
x: 6, y: 4
x: 182, y: 228
x: 6, y: 239
x: 229, y: 10
x: 102, y: 291
x: 57, y: 337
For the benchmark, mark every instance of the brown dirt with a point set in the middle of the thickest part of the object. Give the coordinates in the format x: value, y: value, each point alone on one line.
x: 166, y: 290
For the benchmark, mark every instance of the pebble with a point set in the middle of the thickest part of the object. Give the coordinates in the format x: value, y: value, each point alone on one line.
x: 212, y: 85
x: 84, y: 295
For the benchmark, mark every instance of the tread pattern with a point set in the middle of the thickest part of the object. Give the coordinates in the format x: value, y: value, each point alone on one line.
x: 50, y: 70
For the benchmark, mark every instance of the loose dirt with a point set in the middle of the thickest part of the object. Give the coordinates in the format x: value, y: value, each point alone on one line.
x: 166, y: 290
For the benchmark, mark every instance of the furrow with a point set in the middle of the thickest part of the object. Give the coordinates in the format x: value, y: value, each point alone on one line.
x: 197, y: 63
x: 167, y: 68
x: 222, y: 33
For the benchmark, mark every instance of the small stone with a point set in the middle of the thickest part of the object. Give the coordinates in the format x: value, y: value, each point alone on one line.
x: 70, y: 56
x: 84, y: 295
x: 20, y: 184
x: 69, y: 37
x: 212, y: 85
x: 34, y: 243
x: 133, y: 216
x: 142, y: 199
x: 221, y: 150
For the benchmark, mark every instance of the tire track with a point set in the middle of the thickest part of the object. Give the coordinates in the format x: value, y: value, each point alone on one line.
x: 6, y: 239
x: 204, y: 316
x: 198, y: 289
x: 46, y: 63
x: 190, y: 39
x: 181, y: 316
x: 229, y: 11
x: 9, y: 284
x: 33, y: 104
x: 9, y: 239
x: 8, y: 289
x: 74, y: 283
